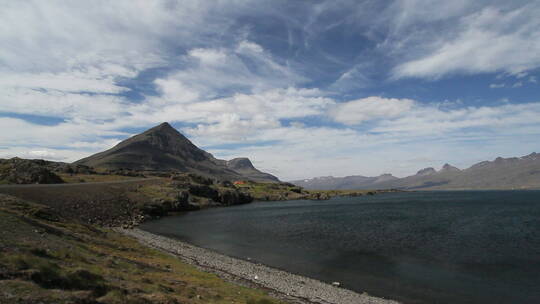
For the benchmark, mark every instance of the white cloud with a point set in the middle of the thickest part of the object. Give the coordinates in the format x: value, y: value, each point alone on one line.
x: 61, y: 104
x: 74, y: 81
x: 70, y: 61
x: 25, y: 134
x: 406, y: 13
x: 209, y: 57
x: 57, y: 35
x: 518, y: 84
x: 230, y: 127
x: 63, y: 155
x: 52, y: 52
x: 483, y: 122
x: 173, y: 90
x: 497, y: 85
x: 490, y: 40
x: 248, y: 47
x: 245, y: 67
x: 42, y: 154
x: 386, y: 145
x: 242, y: 114
x: 370, y: 108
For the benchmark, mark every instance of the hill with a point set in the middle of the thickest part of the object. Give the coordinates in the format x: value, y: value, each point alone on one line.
x: 164, y: 149
x: 344, y: 183
x: 244, y: 166
x: 27, y: 171
x: 499, y: 174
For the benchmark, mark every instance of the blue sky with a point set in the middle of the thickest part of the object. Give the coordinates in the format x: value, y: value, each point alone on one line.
x: 303, y: 88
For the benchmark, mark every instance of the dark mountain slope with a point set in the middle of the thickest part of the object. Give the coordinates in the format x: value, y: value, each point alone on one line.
x: 244, y: 166
x: 161, y: 148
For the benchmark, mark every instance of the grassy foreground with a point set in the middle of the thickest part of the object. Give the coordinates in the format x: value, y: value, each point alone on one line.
x: 45, y: 258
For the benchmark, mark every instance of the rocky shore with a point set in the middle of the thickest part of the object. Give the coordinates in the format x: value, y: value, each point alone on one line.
x: 286, y: 286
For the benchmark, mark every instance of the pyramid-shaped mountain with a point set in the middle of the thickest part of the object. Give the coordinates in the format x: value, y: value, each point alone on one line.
x: 163, y: 148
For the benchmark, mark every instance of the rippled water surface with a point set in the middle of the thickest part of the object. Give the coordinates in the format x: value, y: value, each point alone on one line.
x: 423, y: 247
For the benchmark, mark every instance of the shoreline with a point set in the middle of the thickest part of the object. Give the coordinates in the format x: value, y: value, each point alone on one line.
x: 280, y: 284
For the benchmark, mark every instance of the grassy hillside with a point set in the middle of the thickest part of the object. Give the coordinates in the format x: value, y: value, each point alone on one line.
x: 287, y: 191
x: 45, y: 258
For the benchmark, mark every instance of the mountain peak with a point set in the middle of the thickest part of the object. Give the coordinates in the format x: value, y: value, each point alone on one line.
x: 244, y: 166
x: 385, y: 177
x: 163, y: 127
x: 160, y: 148
x: 449, y: 168
x: 532, y: 156
x: 240, y: 163
x: 426, y: 171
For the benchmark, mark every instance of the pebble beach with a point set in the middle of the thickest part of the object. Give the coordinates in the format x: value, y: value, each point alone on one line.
x: 280, y: 284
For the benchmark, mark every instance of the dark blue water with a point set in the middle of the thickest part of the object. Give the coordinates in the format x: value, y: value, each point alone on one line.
x: 424, y: 247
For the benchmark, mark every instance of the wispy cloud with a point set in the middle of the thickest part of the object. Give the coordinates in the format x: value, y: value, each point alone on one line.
x: 490, y: 40
x: 371, y: 108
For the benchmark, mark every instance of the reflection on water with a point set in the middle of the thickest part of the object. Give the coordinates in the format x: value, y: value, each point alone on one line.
x: 425, y: 247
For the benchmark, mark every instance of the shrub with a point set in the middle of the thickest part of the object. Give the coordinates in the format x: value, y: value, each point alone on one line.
x: 47, y: 275
x: 81, y: 279
x: 40, y: 252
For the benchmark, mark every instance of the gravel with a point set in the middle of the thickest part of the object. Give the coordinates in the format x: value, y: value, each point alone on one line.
x: 283, y: 285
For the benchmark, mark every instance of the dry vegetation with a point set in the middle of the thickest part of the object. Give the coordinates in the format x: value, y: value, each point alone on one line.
x: 45, y: 258
x: 92, y: 178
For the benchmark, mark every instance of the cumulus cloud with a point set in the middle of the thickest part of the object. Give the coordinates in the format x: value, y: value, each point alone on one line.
x: 401, y: 130
x: 479, y: 121
x: 370, y: 108
x: 230, y: 126
x: 385, y: 145
x: 235, y: 117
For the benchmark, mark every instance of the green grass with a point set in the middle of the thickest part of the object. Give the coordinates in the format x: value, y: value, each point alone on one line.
x: 79, y: 263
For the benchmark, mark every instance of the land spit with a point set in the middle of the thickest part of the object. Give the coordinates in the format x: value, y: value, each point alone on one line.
x: 280, y: 284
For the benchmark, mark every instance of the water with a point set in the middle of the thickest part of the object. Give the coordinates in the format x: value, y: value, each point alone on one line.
x: 424, y: 247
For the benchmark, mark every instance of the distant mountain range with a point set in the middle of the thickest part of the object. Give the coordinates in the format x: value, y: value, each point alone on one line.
x: 502, y: 173
x: 164, y: 149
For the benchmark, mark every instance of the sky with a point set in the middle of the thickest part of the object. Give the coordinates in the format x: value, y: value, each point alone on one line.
x: 302, y: 88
